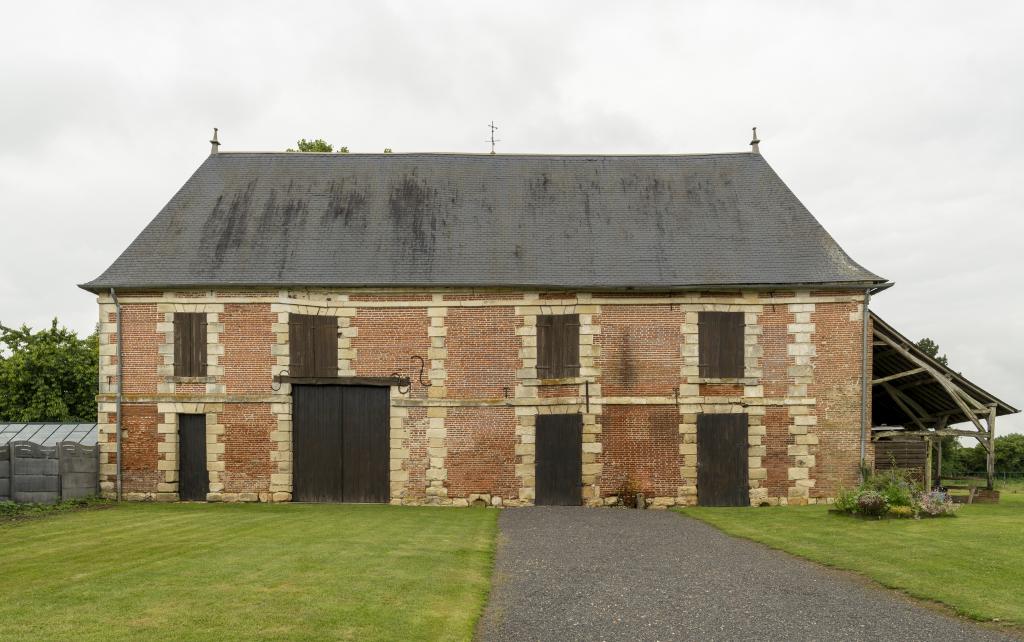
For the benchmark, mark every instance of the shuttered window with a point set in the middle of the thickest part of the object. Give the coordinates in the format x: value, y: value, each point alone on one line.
x: 721, y: 344
x: 189, y: 344
x: 312, y: 346
x: 558, y: 346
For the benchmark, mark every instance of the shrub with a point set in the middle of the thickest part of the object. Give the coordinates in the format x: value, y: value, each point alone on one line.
x: 628, y: 492
x: 846, y: 501
x: 902, y: 512
x: 897, y: 485
x: 936, y: 503
x: 872, y: 504
x: 9, y: 509
x: 899, y: 496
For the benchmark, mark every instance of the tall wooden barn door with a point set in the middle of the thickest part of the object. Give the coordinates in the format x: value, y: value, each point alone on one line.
x: 364, y: 452
x: 193, y: 479
x: 559, y: 446
x: 722, y: 462
x: 316, y: 444
x: 340, y: 439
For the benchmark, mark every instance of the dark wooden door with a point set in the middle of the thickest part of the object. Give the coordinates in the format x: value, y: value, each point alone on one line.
x: 316, y: 444
x: 559, y: 445
x: 364, y: 453
x: 722, y: 463
x: 193, y: 480
x: 340, y: 440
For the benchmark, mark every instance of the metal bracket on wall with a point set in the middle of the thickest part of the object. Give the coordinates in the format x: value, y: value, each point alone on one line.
x: 407, y: 381
x: 416, y: 357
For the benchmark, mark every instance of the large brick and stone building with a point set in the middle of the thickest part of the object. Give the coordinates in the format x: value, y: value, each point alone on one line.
x: 451, y: 328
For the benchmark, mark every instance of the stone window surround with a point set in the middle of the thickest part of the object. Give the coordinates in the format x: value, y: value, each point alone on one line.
x: 214, y: 349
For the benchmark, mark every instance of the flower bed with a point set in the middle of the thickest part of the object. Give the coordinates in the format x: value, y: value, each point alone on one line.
x: 893, y: 494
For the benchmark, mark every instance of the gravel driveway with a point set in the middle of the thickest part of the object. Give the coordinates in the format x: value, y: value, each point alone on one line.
x: 566, y: 573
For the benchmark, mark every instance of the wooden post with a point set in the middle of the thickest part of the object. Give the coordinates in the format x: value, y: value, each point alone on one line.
x: 928, y: 466
x: 990, y: 458
x: 938, y: 473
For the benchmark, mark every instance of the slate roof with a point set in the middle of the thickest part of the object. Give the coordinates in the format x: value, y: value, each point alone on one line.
x: 595, y: 222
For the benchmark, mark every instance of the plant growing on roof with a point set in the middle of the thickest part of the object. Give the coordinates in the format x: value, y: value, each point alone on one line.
x: 316, y: 145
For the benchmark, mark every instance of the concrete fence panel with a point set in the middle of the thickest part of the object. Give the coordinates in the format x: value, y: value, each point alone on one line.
x: 35, y: 473
x: 79, y: 470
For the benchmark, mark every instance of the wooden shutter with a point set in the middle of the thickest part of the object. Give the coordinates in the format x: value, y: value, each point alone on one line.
x: 720, y: 341
x: 558, y: 346
x: 300, y: 345
x: 312, y: 346
x: 545, y: 357
x: 199, y: 344
x: 181, y: 329
x: 189, y: 344
x: 325, y: 350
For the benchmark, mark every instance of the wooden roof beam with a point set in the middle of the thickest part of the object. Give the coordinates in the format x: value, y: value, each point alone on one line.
x: 945, y: 383
x: 898, y: 375
x: 901, y: 401
x: 944, y: 432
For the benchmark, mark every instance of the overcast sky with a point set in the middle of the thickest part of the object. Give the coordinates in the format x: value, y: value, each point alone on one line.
x: 898, y: 124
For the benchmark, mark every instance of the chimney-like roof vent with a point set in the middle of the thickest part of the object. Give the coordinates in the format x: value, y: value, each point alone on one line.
x: 753, y: 143
x: 214, y: 143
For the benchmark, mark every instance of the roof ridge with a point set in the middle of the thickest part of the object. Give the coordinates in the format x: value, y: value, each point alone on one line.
x: 486, y: 154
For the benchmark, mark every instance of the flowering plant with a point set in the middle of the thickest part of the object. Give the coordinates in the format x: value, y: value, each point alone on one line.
x: 936, y: 503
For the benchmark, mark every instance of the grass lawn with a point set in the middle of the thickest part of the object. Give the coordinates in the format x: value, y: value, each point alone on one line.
x: 243, y: 571
x: 972, y: 562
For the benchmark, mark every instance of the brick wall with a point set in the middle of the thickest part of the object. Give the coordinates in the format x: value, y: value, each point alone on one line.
x: 141, y: 348
x: 641, y: 445
x: 481, y: 452
x: 777, y: 458
x: 639, y: 349
x: 387, y: 339
x: 471, y: 432
x: 483, y: 352
x: 248, y: 338
x: 247, y: 447
x: 837, y: 391
x: 139, y: 449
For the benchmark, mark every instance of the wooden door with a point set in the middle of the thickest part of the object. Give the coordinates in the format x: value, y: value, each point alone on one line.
x: 364, y: 455
x: 559, y: 447
x: 317, y: 439
x: 722, y: 460
x: 193, y: 479
x: 341, y: 443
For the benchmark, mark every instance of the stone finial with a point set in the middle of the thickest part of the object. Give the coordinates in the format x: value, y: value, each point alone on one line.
x: 214, y: 143
x: 754, y: 143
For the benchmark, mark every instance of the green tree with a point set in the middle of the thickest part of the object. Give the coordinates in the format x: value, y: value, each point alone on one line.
x: 318, y: 145
x: 1010, y: 454
x: 931, y: 349
x: 49, y: 375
